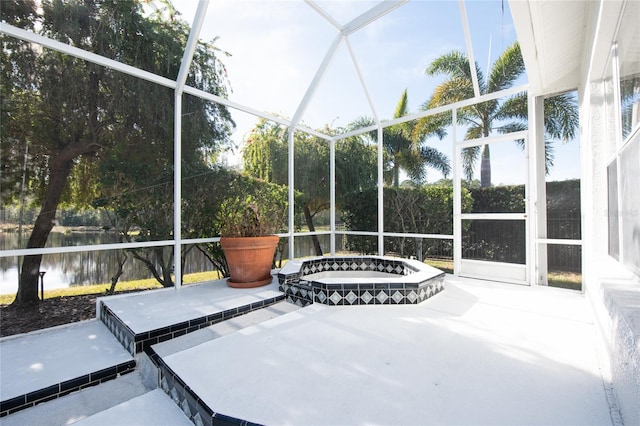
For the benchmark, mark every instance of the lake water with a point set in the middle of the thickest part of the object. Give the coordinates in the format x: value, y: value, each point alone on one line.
x: 97, y: 267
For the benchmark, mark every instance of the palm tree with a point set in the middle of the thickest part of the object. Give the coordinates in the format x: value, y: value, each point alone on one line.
x: 561, y: 112
x: 404, y: 147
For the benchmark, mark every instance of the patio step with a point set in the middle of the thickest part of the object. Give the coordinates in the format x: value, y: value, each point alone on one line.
x: 223, y: 328
x: 153, y: 408
x: 48, y: 364
x: 178, y: 391
x: 144, y: 319
x: 85, y: 402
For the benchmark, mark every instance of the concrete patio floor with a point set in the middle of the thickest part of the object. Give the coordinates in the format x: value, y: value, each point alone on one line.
x: 478, y: 353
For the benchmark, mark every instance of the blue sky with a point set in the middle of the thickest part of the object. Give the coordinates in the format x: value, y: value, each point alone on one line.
x: 277, y: 46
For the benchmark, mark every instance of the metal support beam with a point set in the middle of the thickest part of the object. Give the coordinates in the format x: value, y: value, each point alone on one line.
x: 324, y: 14
x: 380, y: 193
x: 332, y: 196
x: 467, y: 37
x: 177, y: 190
x: 144, y: 75
x: 457, y: 196
x: 371, y: 15
x: 187, y: 58
x: 361, y: 78
x: 328, y: 57
x: 83, y: 54
x: 537, y: 193
x: 292, y: 198
x: 504, y: 137
x: 618, y: 132
x: 192, y: 43
x: 438, y: 110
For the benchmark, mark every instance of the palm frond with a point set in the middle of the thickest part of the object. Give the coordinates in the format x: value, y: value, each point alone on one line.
x: 548, y: 155
x: 454, y: 64
x: 507, y: 69
x: 514, y: 107
x: 435, y: 159
x: 561, y: 116
x: 510, y: 115
x: 484, y: 113
x: 412, y: 164
x: 450, y: 91
x: 474, y: 132
x: 469, y: 157
x: 481, y: 80
x: 467, y: 115
x: 402, y: 108
x: 362, y: 122
x: 433, y: 125
x: 514, y: 126
x: 395, y: 140
x: 549, y: 149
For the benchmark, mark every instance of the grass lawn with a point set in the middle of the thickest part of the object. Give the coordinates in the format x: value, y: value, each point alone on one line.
x: 101, y: 289
x: 569, y: 280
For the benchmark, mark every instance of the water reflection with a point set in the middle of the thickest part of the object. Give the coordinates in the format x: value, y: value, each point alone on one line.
x: 97, y: 267
x: 70, y: 269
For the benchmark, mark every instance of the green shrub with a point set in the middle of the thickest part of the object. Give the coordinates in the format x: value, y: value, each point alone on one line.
x: 421, y: 210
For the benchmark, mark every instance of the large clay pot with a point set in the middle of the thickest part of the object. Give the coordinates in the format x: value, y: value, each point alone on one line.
x: 249, y: 260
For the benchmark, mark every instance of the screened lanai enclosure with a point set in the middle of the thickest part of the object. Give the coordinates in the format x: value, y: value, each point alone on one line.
x: 369, y: 154
x: 493, y: 140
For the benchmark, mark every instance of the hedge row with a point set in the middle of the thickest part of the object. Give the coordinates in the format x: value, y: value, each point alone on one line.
x: 429, y: 210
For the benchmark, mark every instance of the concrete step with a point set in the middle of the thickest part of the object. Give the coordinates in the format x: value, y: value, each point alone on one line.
x: 143, y: 319
x: 51, y: 363
x: 223, y: 328
x: 151, y: 409
x: 187, y: 400
x: 83, y: 403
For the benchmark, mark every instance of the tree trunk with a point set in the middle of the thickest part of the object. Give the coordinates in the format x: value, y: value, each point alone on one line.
x: 119, y: 272
x: 419, y: 254
x: 396, y: 176
x: 485, y: 168
x: 28, y: 284
x: 163, y: 276
x: 309, y: 219
x: 167, y: 267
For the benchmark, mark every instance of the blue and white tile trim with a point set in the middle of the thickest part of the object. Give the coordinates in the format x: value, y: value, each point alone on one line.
x: 119, y: 329
x: 64, y: 388
x: 359, y: 280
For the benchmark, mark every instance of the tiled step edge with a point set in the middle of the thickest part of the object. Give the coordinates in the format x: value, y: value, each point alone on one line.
x: 153, y: 407
x: 136, y: 343
x: 192, y: 406
x: 64, y: 388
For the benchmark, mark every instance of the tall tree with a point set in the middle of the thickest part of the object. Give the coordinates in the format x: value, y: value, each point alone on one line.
x: 405, y: 148
x: 265, y: 156
x: 83, y: 112
x: 17, y: 74
x: 561, y: 112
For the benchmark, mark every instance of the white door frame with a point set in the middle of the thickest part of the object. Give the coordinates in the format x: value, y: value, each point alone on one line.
x: 496, y: 271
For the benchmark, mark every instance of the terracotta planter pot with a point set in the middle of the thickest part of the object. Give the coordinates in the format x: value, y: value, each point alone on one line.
x: 249, y: 259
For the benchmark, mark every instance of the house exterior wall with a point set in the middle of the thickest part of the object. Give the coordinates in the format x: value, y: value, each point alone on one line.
x: 612, y: 288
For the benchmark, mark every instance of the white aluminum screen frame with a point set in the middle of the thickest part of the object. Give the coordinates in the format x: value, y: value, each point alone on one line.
x: 180, y: 87
x: 484, y: 269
